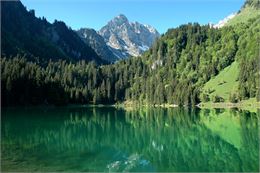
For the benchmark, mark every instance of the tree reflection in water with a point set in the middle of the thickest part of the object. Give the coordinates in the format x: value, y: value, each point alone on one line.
x: 148, y: 139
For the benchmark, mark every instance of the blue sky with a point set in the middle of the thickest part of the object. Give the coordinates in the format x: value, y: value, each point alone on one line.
x: 162, y: 14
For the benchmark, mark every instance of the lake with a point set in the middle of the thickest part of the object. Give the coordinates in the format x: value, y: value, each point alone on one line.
x: 98, y: 139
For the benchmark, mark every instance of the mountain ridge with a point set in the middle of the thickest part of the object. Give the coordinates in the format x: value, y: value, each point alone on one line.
x: 29, y: 35
x: 119, y: 38
x: 96, y: 42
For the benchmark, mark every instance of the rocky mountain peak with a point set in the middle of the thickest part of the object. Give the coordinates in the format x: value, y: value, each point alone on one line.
x: 118, y: 21
x: 128, y: 38
x: 120, y: 18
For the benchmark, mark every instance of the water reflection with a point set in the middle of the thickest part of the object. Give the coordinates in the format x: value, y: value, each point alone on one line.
x: 108, y: 139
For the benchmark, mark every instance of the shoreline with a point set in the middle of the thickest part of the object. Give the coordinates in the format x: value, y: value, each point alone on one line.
x: 227, y: 105
x: 131, y: 105
x: 252, y: 107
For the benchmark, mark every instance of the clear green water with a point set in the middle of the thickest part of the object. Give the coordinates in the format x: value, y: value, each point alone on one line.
x: 108, y: 139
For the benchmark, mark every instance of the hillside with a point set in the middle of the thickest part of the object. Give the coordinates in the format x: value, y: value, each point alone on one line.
x: 38, y: 39
x: 225, y: 87
x: 250, y: 10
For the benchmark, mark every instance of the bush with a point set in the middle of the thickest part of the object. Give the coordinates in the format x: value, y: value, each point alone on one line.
x: 216, y: 99
x: 210, y: 91
x: 205, y: 97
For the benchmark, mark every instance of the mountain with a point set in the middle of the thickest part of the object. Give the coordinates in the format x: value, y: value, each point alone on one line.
x: 97, y: 42
x: 126, y: 38
x: 188, y: 65
x: 23, y: 33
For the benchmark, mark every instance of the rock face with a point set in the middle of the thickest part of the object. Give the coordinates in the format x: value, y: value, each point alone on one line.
x: 96, y: 42
x: 119, y: 39
x: 126, y: 39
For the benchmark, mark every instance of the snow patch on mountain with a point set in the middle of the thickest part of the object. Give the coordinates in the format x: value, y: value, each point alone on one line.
x: 223, y: 22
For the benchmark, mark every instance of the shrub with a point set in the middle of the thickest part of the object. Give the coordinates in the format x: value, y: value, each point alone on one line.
x: 205, y: 97
x: 216, y: 99
x: 221, y: 82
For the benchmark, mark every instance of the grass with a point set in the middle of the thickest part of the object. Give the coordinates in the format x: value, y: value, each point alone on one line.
x: 224, y: 83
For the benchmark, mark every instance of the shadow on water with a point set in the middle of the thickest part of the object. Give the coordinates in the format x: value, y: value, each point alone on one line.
x: 148, y: 139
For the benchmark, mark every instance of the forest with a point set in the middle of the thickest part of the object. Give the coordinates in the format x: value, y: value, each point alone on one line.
x: 173, y: 71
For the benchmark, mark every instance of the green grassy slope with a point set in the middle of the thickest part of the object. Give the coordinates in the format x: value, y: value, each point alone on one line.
x: 250, y: 10
x: 244, y: 15
x: 224, y: 83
